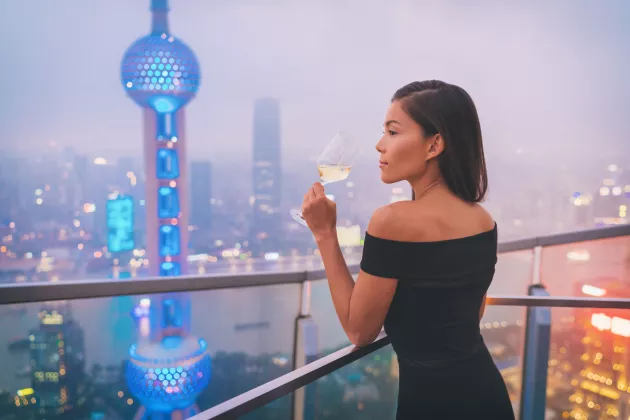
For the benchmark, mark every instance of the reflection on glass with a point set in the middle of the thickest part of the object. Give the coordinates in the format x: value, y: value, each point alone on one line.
x: 364, y: 389
x: 75, y: 355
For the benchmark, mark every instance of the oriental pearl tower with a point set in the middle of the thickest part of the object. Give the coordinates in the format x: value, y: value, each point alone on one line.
x: 168, y: 367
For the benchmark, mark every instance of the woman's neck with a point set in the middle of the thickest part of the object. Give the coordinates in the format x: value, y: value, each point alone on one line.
x: 425, y: 185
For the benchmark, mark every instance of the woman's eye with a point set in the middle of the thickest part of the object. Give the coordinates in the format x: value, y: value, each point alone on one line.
x: 391, y: 133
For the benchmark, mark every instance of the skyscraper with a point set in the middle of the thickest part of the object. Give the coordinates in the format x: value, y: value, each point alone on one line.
x: 200, y: 195
x: 266, y: 229
x: 58, y: 362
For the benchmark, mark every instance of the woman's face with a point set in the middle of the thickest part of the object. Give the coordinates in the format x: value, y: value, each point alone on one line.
x: 403, y: 148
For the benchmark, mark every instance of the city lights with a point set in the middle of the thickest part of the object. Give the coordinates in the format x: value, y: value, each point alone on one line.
x: 132, y: 178
x: 616, y: 325
x: 587, y: 289
x: 89, y: 208
x: 100, y: 161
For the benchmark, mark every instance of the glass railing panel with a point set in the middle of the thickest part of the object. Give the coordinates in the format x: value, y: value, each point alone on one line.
x: 581, y: 268
x: 331, y: 335
x: 588, y: 364
x: 74, y: 356
x: 364, y: 389
x: 513, y: 273
x: 502, y: 329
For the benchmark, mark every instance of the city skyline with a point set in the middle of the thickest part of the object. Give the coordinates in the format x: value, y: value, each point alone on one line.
x: 533, y: 74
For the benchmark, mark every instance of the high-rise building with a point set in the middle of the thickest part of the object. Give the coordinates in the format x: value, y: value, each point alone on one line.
x: 590, y: 355
x: 266, y: 229
x: 200, y: 195
x: 161, y: 74
x: 58, y: 363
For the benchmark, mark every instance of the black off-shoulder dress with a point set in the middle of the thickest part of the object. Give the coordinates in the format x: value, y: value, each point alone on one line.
x: 446, y: 371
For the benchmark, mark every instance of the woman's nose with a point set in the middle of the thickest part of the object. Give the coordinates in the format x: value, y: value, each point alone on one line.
x: 379, y: 146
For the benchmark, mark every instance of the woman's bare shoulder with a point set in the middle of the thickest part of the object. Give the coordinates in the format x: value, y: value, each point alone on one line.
x: 400, y: 221
x: 415, y: 222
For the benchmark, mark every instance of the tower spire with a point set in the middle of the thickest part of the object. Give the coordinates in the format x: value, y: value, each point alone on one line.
x: 159, y: 10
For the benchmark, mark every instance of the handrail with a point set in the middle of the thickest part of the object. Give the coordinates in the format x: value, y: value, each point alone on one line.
x: 85, y: 289
x: 565, y: 238
x: 279, y: 387
x: 559, y: 302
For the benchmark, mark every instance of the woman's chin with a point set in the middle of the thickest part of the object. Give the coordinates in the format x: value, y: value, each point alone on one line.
x: 388, y: 180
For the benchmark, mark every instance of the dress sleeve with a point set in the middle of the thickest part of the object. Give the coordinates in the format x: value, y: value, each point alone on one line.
x: 381, y: 257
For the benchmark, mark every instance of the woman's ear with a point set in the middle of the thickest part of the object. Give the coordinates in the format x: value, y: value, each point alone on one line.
x: 436, y: 146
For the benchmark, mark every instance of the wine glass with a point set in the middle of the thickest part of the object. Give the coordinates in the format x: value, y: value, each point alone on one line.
x: 333, y: 164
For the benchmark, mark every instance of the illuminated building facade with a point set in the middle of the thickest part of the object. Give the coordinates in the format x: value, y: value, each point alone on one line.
x: 160, y: 73
x: 58, y: 363
x: 612, y: 200
x: 266, y: 229
x: 594, y: 356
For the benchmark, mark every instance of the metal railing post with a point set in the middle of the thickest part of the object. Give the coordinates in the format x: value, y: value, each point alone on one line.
x: 535, y: 358
x: 537, y: 265
x: 305, y: 350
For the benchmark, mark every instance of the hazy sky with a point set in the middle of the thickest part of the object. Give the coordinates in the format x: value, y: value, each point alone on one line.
x: 547, y: 76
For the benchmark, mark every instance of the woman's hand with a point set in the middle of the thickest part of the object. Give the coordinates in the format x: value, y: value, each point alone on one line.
x: 319, y: 212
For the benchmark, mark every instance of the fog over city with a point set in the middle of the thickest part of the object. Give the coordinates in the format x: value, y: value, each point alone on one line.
x: 549, y: 78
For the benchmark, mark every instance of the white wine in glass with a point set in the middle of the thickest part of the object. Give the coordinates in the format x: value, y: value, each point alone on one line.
x: 333, y: 164
x: 333, y: 173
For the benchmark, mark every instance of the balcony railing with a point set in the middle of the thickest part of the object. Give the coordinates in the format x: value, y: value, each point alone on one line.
x: 297, y: 308
x: 295, y: 381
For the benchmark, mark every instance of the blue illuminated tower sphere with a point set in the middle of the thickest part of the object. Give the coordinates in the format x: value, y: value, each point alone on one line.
x: 160, y: 72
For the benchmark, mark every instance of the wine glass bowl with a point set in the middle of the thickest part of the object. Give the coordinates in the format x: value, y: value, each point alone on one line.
x: 333, y: 164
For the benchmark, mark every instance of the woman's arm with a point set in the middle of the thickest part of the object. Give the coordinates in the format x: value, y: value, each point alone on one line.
x: 362, y: 306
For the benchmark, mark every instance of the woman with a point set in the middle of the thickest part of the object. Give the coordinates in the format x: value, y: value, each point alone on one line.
x: 427, y: 263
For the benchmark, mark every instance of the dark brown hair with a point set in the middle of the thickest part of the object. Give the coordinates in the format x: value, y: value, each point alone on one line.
x: 449, y: 110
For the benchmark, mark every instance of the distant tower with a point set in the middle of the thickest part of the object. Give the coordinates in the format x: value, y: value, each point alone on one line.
x: 161, y: 74
x: 266, y: 229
